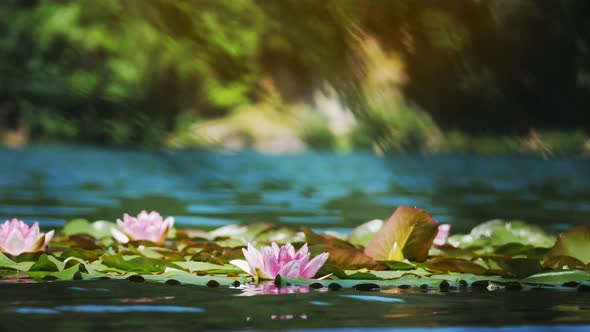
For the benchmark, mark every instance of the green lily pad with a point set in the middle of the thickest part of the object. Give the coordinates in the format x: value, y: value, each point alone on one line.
x: 204, y: 266
x: 522, y: 267
x: 6, y: 262
x: 65, y: 274
x: 138, y: 264
x: 98, y: 229
x: 393, y: 265
x: 558, y: 277
x: 498, y: 233
x: 193, y: 279
x: 334, y: 270
x: 87, y: 255
x: 47, y: 263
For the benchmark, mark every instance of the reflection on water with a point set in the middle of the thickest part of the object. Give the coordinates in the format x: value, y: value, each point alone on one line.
x: 268, y: 288
x: 159, y: 307
x: 325, y: 191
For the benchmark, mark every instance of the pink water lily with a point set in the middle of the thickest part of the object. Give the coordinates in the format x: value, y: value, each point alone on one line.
x: 147, y: 226
x: 271, y: 261
x: 442, y: 235
x: 16, y: 237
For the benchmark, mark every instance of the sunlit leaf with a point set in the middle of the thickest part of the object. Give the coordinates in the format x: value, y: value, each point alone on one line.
x: 98, y: 229
x: 573, y: 243
x: 280, y: 235
x: 499, y: 233
x: 408, y: 233
x: 559, y: 262
x: 241, y: 233
x: 362, y: 234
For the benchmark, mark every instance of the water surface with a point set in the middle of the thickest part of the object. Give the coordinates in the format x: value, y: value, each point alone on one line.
x: 108, y: 305
x: 322, y: 190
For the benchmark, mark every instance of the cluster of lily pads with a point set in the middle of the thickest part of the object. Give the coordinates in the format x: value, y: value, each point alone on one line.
x: 409, y: 250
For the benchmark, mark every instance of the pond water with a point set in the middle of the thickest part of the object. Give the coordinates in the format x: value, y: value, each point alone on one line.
x: 328, y: 191
x: 324, y: 191
x: 108, y: 305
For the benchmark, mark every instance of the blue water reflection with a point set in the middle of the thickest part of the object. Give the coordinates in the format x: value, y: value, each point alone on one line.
x: 323, y: 190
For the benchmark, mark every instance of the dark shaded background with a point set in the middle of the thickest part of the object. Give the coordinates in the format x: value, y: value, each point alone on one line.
x: 135, y: 72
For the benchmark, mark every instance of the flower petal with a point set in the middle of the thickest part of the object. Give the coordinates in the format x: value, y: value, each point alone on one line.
x: 242, y: 264
x: 253, y: 256
x: 38, y: 245
x: 301, y: 252
x: 119, y: 236
x: 271, y: 265
x: 290, y: 270
x: 14, y: 244
x: 314, y: 265
x: 442, y: 235
x: 275, y: 249
x: 48, y: 237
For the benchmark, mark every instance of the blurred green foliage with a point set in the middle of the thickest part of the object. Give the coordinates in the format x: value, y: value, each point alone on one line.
x: 453, y: 72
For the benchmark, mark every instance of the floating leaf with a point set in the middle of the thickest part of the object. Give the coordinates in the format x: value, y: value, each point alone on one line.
x: 191, y: 279
x: 393, y: 265
x: 350, y: 259
x: 522, y: 267
x: 573, y: 243
x: 456, y: 265
x: 498, y: 232
x: 241, y: 233
x: 98, y: 229
x: 8, y: 263
x: 66, y: 274
x: 408, y: 233
x: 138, y: 264
x: 84, y: 241
x: 210, y: 267
x: 363, y: 276
x: 335, y: 271
x: 558, y: 277
x: 280, y: 235
x: 314, y: 239
x: 47, y: 263
x: 559, y: 262
x: 86, y: 255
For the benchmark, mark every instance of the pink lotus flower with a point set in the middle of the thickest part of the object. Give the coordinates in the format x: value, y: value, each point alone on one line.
x: 146, y: 226
x: 272, y: 261
x: 17, y: 237
x: 442, y: 235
